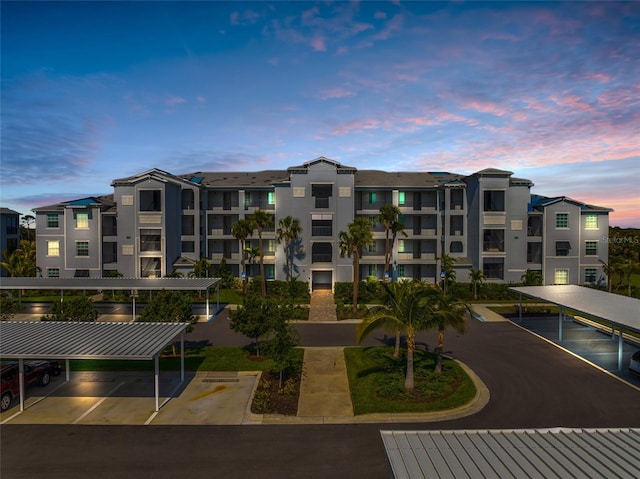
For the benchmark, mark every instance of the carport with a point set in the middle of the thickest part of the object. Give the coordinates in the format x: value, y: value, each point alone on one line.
x: 621, y: 312
x: 123, y: 284
x: 63, y: 340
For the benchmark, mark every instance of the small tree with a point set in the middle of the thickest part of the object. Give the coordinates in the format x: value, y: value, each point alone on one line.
x: 169, y: 307
x: 281, y: 339
x: 359, y: 235
x: 532, y: 278
x: 477, y: 278
x: 260, y: 221
x: 8, y: 307
x: 76, y: 308
x: 447, y: 263
x: 201, y: 269
x: 22, y: 261
x: 252, y: 318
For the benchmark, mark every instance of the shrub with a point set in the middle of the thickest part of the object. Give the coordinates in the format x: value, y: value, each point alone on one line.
x: 78, y: 308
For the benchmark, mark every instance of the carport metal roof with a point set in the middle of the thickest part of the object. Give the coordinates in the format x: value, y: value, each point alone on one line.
x: 616, y: 309
x: 193, y: 284
x: 622, y: 312
x: 549, y: 453
x: 78, y: 340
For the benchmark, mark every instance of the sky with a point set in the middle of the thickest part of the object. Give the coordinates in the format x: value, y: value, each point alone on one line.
x: 94, y: 91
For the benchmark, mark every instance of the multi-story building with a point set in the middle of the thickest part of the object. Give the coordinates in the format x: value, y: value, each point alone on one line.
x: 9, y: 233
x: 157, y: 222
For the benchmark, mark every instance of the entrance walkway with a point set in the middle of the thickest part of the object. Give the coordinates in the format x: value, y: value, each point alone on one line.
x: 324, y: 390
x: 322, y: 307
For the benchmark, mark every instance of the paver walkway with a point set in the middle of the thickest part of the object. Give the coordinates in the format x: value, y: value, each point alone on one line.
x: 324, y: 390
x: 322, y: 306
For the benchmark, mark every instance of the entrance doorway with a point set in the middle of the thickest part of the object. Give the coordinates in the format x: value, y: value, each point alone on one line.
x: 321, y: 280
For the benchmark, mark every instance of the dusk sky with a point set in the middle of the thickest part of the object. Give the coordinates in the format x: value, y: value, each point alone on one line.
x: 93, y: 91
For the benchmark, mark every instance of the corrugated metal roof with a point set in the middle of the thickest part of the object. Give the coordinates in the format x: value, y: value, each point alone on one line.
x: 144, y: 284
x: 78, y: 340
x: 617, y: 309
x: 540, y: 453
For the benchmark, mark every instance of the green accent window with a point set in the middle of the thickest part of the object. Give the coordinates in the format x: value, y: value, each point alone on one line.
x: 591, y: 222
x: 562, y: 220
x: 401, y: 271
x: 401, y: 197
x: 373, y: 198
x: 53, y: 220
x: 271, y: 198
x: 82, y: 220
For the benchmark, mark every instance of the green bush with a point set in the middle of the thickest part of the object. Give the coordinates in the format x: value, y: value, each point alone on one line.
x: 77, y: 308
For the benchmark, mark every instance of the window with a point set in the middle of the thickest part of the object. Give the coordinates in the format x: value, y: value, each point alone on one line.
x: 321, y: 253
x: 373, y: 199
x: 53, y: 220
x: 53, y: 272
x: 401, y: 270
x: 150, y: 268
x: 188, y: 200
x: 402, y: 247
x: 493, y: 240
x: 150, y: 200
x: 247, y: 198
x: 373, y: 270
x: 493, y: 268
x: 321, y: 226
x: 188, y: 225
x: 401, y: 198
x: 589, y: 275
x: 81, y: 273
x: 591, y: 222
x: 271, y: 198
x: 591, y: 248
x: 82, y: 248
x: 12, y: 225
x: 82, y: 220
x: 150, y: 240
x: 562, y: 248
x: 561, y: 276
x: 562, y: 220
x: 372, y: 247
x: 188, y: 246
x: 53, y: 248
x: 373, y: 220
x: 493, y: 200
x: 322, y: 193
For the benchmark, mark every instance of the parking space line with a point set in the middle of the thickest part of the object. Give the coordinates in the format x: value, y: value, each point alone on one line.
x: 93, y: 408
x: 34, y: 402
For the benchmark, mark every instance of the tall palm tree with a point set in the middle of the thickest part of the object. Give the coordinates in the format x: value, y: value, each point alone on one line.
x: 447, y: 263
x: 261, y: 220
x: 241, y: 230
x: 627, y: 267
x: 289, y: 230
x: 405, y: 310
x: 445, y: 311
x: 609, y: 269
x: 27, y: 221
x: 359, y: 235
x: 477, y: 277
x: 390, y: 218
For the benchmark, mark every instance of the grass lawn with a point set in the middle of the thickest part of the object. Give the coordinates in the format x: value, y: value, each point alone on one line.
x: 206, y: 358
x: 376, y: 380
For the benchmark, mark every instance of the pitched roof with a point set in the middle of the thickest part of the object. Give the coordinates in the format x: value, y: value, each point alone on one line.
x: 7, y: 211
x: 105, y: 202
x: 543, y: 201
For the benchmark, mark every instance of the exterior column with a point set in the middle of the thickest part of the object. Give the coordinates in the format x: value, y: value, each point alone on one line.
x: 21, y: 382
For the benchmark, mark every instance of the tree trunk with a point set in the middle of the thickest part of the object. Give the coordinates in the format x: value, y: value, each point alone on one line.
x: 411, y: 346
x: 438, y: 368
x: 263, y: 280
x: 356, y: 278
x: 286, y: 257
x: 387, y: 255
x: 396, y: 349
x: 244, y: 266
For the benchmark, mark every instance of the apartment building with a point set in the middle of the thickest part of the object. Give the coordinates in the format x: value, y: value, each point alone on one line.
x: 9, y: 233
x: 157, y: 222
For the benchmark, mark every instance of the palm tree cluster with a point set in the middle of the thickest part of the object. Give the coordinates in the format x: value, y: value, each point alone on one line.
x: 410, y: 307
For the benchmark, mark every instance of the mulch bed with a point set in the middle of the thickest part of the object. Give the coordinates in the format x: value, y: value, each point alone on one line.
x: 271, y: 399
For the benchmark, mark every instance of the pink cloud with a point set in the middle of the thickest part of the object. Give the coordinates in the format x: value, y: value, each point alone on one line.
x: 174, y: 100
x: 574, y: 102
x: 357, y: 126
x: 406, y: 77
x: 337, y: 92
x: 485, y: 107
x: 318, y: 43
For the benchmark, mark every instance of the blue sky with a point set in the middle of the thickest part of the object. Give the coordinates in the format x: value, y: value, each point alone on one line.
x: 93, y: 91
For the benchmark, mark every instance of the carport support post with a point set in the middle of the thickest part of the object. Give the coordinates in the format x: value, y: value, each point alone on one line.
x: 520, y: 310
x: 620, y: 347
x: 134, y: 304
x: 156, y: 361
x: 67, y: 369
x: 560, y: 310
x: 182, y: 356
x: 21, y: 382
x: 208, y: 304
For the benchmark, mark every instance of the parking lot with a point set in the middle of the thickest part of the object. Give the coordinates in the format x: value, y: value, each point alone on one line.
x: 587, y: 342
x: 127, y: 398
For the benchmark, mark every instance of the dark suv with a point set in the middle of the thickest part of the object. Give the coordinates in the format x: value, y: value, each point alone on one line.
x: 35, y: 372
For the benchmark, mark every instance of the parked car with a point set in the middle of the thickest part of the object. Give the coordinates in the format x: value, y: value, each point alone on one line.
x: 35, y: 372
x: 634, y: 363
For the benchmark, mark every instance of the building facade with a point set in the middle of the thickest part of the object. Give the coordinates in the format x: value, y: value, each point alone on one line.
x: 155, y: 223
x: 9, y: 233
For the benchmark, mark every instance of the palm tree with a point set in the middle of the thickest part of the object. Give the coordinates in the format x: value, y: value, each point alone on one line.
x: 444, y: 310
x: 477, y: 277
x: 27, y: 220
x: 241, y: 230
x: 389, y: 217
x: 405, y: 310
x: 627, y: 267
x: 201, y: 268
x: 609, y: 269
x: 447, y: 263
x: 289, y: 230
x: 261, y: 220
x: 22, y: 261
x: 351, y: 242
